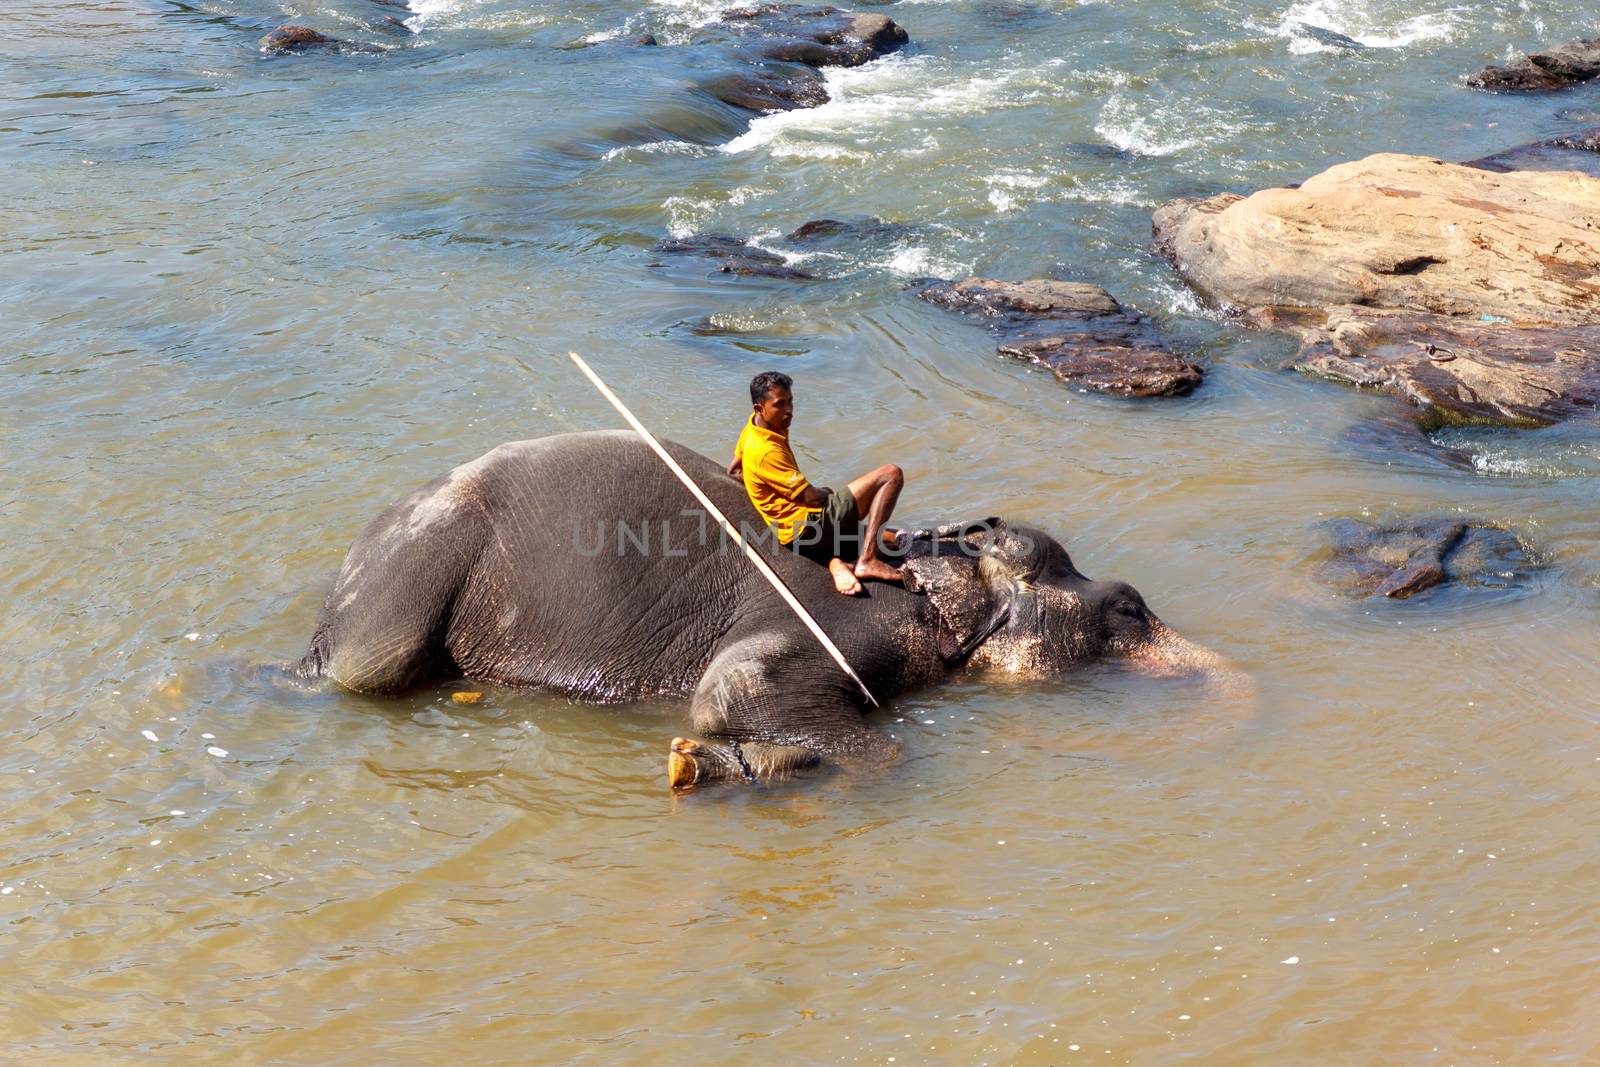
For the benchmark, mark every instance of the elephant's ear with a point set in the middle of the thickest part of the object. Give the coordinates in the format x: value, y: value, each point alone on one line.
x: 1006, y: 569
x: 955, y: 538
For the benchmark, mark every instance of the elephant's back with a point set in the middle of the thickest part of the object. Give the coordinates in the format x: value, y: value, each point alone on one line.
x: 599, y: 574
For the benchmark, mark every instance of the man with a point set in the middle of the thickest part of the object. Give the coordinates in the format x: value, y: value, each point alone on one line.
x: 817, y: 523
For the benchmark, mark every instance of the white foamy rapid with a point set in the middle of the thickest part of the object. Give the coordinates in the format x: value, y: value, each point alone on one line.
x: 1569, y: 451
x: 469, y: 15
x: 657, y: 148
x: 680, y: 18
x: 867, y: 102
x: 1369, y: 23
x: 1148, y: 126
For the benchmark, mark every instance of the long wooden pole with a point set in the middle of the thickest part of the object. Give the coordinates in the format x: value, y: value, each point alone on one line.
x: 749, y: 550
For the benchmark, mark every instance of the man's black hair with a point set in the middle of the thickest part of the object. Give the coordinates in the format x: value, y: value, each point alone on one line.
x: 765, y: 382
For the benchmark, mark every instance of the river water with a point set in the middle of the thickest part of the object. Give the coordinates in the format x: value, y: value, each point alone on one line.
x: 248, y: 301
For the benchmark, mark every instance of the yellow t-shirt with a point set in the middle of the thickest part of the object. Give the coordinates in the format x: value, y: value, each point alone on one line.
x: 772, y: 478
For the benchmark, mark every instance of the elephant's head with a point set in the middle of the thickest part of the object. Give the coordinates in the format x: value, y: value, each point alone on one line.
x: 1014, y: 602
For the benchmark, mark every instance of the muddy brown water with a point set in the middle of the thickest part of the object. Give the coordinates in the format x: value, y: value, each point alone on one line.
x: 249, y: 302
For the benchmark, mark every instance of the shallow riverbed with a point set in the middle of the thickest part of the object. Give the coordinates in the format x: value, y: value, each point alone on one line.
x: 248, y: 301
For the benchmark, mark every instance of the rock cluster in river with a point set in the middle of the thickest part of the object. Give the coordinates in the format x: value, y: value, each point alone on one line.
x: 1401, y: 559
x: 1555, y: 68
x: 787, y: 44
x: 1470, y: 292
x: 1078, y: 332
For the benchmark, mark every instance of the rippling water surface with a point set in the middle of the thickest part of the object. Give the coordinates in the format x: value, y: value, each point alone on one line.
x: 250, y: 300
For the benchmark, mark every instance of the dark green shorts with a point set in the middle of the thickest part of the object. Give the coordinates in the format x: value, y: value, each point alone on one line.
x: 834, y: 532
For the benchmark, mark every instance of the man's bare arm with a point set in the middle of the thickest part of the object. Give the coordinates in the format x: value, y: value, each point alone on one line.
x: 736, y: 468
x: 812, y: 497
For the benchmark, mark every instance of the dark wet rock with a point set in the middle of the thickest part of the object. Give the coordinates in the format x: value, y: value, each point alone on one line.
x: 643, y: 40
x: 816, y: 36
x: 1573, y: 151
x: 1078, y: 332
x: 733, y: 256
x: 1328, y: 38
x: 1401, y: 559
x: 836, y: 232
x: 770, y: 90
x: 786, y: 43
x: 1107, y: 362
x: 1453, y: 370
x: 1039, y: 298
x: 292, y: 38
x: 1556, y: 68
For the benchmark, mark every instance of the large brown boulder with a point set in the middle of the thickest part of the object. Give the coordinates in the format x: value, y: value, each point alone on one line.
x: 1555, y: 68
x: 1473, y: 294
x: 1399, y: 231
x: 1078, y: 332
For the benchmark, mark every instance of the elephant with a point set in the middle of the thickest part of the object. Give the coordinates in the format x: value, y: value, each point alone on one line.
x: 578, y: 563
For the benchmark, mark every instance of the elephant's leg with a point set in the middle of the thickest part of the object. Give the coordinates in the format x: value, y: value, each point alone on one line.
x: 691, y: 763
x: 385, y: 626
x: 771, y: 713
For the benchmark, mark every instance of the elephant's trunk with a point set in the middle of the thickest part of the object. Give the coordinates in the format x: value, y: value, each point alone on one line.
x: 1168, y: 654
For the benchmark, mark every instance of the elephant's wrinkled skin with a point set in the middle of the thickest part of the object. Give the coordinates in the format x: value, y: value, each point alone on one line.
x: 578, y: 563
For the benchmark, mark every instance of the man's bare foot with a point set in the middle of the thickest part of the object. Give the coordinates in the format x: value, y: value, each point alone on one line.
x: 877, y: 568
x: 843, y: 580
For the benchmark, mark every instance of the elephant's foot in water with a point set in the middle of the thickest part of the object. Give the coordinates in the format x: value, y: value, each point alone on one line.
x: 692, y: 763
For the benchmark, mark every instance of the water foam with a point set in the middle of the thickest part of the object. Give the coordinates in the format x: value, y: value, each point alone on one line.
x: 865, y: 100
x: 658, y: 148
x: 1161, y: 128
x: 1373, y: 23
x: 1571, y: 450
x: 468, y: 15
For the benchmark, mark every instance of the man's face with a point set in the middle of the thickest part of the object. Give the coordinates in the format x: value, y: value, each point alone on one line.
x: 776, y: 409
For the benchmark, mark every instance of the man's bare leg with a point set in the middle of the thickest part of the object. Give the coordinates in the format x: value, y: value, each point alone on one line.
x: 876, y: 493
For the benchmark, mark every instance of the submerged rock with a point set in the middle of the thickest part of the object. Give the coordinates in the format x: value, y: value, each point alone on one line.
x: 1038, y: 298
x: 1399, y: 560
x: 1328, y: 38
x: 293, y: 38
x: 1556, y: 68
x: 770, y: 90
x: 1573, y: 151
x: 1454, y: 370
x: 1079, y: 332
x: 733, y: 256
x: 840, y: 232
x: 1469, y: 292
